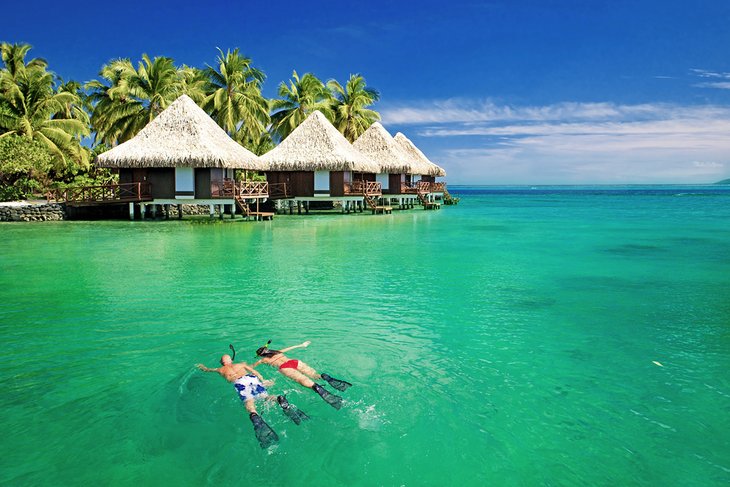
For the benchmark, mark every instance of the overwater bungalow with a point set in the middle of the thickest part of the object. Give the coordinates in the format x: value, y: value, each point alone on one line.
x: 315, y: 163
x: 423, y: 172
x: 396, y: 165
x: 180, y: 157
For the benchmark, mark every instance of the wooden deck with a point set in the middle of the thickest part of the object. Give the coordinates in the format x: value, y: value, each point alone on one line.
x: 383, y: 209
x: 108, y: 194
x: 423, y: 187
x: 278, y: 191
x: 229, y: 188
x: 262, y: 215
x: 364, y: 188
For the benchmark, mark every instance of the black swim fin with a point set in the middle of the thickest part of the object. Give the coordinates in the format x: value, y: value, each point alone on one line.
x: 263, y: 431
x: 338, y: 384
x: 331, y: 399
x: 290, y: 410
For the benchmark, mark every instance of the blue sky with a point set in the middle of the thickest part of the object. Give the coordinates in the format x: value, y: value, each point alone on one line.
x: 501, y: 92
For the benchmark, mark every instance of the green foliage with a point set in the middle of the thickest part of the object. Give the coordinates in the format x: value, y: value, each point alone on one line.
x: 234, y: 99
x: 250, y: 176
x: 93, y: 177
x: 99, y: 149
x: 450, y: 200
x: 128, y: 98
x: 263, y: 145
x: 195, y: 83
x: 299, y: 99
x: 55, y: 115
x: 351, y: 115
x: 125, y: 98
x: 347, y: 108
x: 32, y: 106
x: 24, y: 166
x: 13, y: 57
x: 21, y: 189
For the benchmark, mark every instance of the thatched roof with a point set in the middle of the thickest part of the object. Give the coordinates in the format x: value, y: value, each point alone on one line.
x: 183, y: 135
x: 316, y: 145
x: 378, y: 145
x: 422, y: 165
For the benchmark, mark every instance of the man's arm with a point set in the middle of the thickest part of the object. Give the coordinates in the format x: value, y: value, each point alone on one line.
x: 205, y: 369
x: 260, y: 377
x: 301, y: 345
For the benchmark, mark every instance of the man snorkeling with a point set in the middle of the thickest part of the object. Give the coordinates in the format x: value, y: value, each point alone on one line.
x: 250, y: 386
x: 301, y: 373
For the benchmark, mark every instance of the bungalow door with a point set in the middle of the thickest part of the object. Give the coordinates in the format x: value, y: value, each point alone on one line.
x: 139, y: 175
x: 321, y: 183
x: 203, y: 178
x: 184, y: 183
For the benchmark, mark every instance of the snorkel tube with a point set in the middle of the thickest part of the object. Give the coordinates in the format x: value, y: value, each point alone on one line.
x: 234, y: 352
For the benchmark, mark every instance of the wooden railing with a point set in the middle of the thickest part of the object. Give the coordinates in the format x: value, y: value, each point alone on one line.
x: 438, y: 187
x: 107, y: 193
x: 253, y: 188
x: 364, y: 188
x: 222, y: 189
x: 278, y: 191
x: 373, y: 188
x: 408, y: 188
x: 422, y: 187
x: 229, y: 188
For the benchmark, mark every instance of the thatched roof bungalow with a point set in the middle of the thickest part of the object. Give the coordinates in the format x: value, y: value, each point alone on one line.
x: 182, y: 153
x: 421, y: 164
x: 316, y: 160
x: 395, y: 163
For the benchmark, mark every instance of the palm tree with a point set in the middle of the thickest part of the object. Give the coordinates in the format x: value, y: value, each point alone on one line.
x: 235, y: 101
x: 303, y: 96
x: 195, y: 83
x: 127, y: 99
x: 13, y: 56
x: 351, y: 115
x: 109, y: 98
x: 76, y: 110
x: 31, y: 107
x: 263, y: 144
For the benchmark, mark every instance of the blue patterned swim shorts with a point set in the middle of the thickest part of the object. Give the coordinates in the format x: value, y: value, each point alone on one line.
x: 249, y: 387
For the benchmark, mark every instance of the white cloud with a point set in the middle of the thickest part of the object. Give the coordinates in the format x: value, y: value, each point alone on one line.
x: 710, y: 164
x: 722, y: 85
x: 472, y: 111
x: 571, y: 142
x: 703, y: 73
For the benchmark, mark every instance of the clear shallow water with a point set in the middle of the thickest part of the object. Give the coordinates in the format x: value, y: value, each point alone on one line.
x: 505, y: 341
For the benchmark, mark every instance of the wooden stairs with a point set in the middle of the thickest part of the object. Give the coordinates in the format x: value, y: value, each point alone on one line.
x: 248, y: 212
x: 243, y: 205
x: 423, y: 198
x: 372, y: 191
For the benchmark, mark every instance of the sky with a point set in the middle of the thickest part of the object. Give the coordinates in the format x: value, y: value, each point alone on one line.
x: 496, y: 92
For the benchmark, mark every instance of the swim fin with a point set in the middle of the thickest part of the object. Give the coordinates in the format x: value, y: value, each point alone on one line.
x: 331, y: 399
x: 338, y: 384
x: 290, y: 410
x: 263, y: 431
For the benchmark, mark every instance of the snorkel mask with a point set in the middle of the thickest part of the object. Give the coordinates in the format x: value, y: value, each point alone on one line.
x: 262, y: 350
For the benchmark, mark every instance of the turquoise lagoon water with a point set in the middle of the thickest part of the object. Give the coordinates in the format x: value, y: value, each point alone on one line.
x: 510, y: 340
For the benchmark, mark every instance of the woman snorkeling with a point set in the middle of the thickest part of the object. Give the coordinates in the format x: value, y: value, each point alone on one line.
x: 301, y: 373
